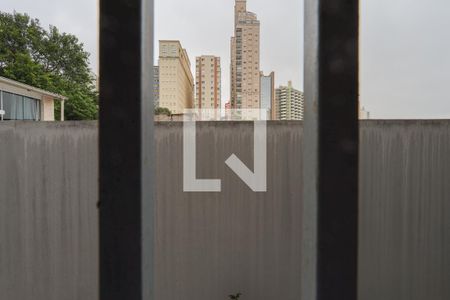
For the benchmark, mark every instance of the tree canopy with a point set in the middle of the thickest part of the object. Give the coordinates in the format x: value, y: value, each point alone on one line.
x: 162, y: 111
x: 50, y: 60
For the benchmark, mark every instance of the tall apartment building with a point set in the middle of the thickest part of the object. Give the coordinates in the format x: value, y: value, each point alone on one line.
x: 268, y: 95
x: 208, y: 82
x: 245, y: 58
x: 156, y: 85
x: 176, y: 83
x: 290, y: 103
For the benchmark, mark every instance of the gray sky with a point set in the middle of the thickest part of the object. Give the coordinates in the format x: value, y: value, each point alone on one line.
x: 405, y: 44
x: 405, y: 58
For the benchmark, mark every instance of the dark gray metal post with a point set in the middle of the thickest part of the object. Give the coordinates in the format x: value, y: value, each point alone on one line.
x: 330, y: 231
x: 126, y: 150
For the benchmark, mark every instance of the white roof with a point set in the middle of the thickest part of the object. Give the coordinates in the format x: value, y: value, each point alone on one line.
x: 31, y: 88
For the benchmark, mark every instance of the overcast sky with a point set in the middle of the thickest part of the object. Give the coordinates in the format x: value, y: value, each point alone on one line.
x: 405, y: 44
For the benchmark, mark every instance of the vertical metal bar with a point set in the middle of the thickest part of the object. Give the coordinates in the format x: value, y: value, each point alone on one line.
x: 126, y: 150
x: 330, y: 231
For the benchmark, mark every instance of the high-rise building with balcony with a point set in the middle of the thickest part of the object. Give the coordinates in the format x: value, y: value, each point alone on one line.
x: 245, y: 58
x: 289, y: 102
x: 268, y: 95
x: 208, y: 82
x: 176, y: 83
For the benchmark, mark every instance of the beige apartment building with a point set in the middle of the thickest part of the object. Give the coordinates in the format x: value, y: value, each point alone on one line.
x: 156, y: 85
x: 208, y: 82
x: 245, y: 59
x: 290, y: 103
x: 176, y: 83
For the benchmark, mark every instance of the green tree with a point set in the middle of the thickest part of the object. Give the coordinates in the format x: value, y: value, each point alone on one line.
x: 162, y: 111
x: 48, y: 59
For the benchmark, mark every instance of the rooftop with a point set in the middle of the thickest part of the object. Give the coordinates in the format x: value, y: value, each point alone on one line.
x: 31, y: 88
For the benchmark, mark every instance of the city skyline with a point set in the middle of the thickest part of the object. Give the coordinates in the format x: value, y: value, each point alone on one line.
x: 405, y: 63
x: 217, y: 26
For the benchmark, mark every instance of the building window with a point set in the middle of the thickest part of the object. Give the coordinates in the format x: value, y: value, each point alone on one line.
x: 18, y: 107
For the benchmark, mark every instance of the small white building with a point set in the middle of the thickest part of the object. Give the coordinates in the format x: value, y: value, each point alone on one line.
x: 20, y: 101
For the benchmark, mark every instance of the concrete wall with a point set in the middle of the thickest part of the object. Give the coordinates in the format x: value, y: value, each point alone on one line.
x: 48, y: 191
x: 405, y: 210
x: 210, y: 245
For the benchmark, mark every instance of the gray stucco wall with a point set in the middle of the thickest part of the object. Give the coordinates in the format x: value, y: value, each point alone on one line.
x: 48, y: 191
x: 209, y: 245
x: 405, y: 210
